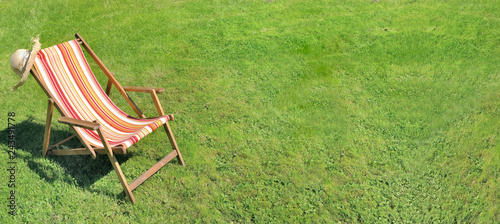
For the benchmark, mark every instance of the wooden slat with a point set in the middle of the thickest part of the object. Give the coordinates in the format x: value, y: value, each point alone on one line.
x: 142, y: 89
x: 116, y: 150
x: 156, y: 101
x: 116, y: 166
x: 108, y: 86
x: 173, y: 143
x: 152, y: 170
x: 84, y: 151
x: 48, y: 125
x: 63, y: 141
x: 167, y: 128
x: 68, y: 152
x: 79, y: 123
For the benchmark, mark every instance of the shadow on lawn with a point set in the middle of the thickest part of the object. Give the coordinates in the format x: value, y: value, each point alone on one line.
x: 80, y: 170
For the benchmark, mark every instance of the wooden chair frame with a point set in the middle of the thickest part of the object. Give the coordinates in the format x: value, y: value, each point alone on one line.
x: 94, y: 125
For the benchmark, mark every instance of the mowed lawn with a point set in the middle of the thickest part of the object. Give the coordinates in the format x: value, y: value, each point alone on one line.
x: 287, y: 111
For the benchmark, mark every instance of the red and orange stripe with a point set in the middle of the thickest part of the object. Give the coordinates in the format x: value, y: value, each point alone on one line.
x: 74, y: 88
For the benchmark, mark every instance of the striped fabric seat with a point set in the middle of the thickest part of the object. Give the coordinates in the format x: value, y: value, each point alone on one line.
x: 67, y: 76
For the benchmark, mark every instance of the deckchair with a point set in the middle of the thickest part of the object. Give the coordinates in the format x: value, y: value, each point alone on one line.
x: 65, y: 75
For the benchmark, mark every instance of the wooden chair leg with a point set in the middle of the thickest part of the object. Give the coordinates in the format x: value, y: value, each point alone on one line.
x: 173, y: 143
x: 116, y: 166
x: 48, y: 125
x: 167, y: 127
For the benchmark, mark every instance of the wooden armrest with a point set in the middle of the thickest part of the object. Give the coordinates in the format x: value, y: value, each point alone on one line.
x: 79, y: 123
x: 142, y: 89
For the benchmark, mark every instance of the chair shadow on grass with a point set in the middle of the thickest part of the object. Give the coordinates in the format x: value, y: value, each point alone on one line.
x: 80, y: 170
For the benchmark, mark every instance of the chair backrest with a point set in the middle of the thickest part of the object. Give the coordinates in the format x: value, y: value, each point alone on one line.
x: 70, y: 82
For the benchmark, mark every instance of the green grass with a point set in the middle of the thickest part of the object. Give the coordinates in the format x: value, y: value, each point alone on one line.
x: 286, y: 111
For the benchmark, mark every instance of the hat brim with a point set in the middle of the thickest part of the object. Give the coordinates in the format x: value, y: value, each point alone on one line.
x: 27, y: 67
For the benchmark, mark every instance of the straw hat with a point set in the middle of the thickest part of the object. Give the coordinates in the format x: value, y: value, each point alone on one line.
x: 22, y: 61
